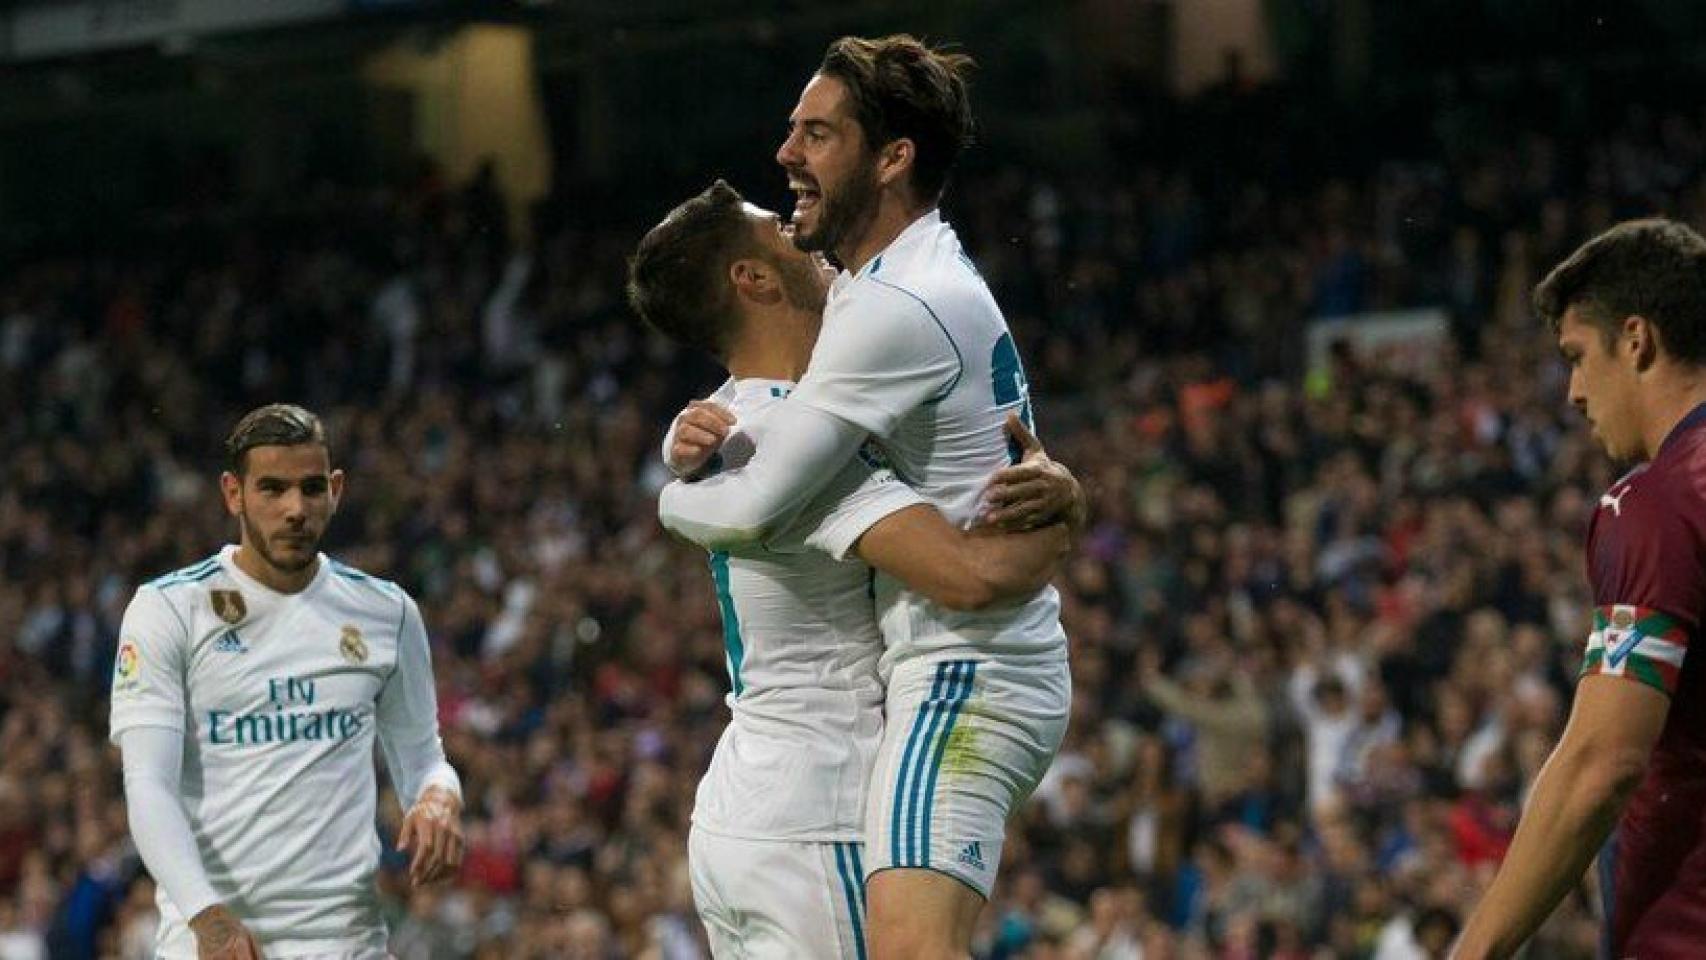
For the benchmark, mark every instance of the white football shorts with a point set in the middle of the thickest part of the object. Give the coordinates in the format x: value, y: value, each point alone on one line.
x: 779, y: 899
x: 965, y: 744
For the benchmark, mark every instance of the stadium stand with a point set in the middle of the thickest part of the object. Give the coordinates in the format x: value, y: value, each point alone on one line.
x: 1323, y: 625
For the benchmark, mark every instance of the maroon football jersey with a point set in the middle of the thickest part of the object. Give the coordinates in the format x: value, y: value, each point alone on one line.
x: 1647, y: 563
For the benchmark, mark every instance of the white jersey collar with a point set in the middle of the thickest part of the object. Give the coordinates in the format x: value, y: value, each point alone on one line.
x: 228, y: 560
x: 914, y: 234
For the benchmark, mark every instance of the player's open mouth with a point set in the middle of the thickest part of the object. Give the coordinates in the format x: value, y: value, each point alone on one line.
x: 806, y: 198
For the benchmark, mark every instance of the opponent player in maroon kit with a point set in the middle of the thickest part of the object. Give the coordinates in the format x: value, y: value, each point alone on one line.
x: 1629, y: 308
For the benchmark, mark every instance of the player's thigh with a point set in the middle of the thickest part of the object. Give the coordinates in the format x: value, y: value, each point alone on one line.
x: 966, y: 743
x: 709, y: 870
x: 920, y: 913
x: 773, y: 899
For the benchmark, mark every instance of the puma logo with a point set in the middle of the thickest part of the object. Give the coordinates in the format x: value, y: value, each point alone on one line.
x: 1615, y: 503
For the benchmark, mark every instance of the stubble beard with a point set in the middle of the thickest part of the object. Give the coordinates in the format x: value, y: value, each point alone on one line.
x: 802, y: 287
x: 843, y: 217
x: 252, y: 536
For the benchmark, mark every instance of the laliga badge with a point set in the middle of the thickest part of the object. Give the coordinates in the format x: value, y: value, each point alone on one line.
x: 125, y: 677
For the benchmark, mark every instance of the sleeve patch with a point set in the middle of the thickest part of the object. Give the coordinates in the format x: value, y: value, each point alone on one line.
x: 1640, y: 643
x: 127, y: 667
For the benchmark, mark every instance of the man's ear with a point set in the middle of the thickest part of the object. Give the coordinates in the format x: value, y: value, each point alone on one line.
x: 755, y: 280
x: 895, y: 159
x: 1640, y: 340
x: 231, y: 491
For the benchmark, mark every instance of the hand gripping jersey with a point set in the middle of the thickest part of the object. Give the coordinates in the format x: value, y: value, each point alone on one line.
x: 915, y: 350
x: 802, y: 645
x: 1647, y: 566
x: 279, y: 698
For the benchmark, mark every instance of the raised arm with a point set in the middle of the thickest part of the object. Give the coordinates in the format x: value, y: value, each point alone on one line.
x: 802, y: 450
x: 874, y: 364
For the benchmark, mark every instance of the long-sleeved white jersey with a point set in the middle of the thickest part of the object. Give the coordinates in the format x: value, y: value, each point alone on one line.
x: 801, y: 638
x: 278, y: 699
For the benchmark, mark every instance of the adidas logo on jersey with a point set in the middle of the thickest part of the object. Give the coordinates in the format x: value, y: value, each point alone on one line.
x: 229, y: 642
x: 972, y: 856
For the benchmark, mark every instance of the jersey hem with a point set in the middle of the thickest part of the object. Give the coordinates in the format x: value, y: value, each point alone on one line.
x: 982, y: 655
x: 834, y: 836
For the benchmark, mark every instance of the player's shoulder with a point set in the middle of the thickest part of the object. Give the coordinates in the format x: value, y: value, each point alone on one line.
x: 1673, y: 484
x: 365, y: 586
x: 195, y: 576
x: 167, y: 600
x: 939, y: 278
x: 1651, y: 505
x: 909, y: 310
x: 1682, y: 460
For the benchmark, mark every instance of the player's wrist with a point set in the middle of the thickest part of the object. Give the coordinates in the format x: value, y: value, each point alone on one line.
x: 216, y: 925
x: 440, y: 799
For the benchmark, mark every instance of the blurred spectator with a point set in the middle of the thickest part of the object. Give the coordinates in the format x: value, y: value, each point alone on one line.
x: 1227, y: 714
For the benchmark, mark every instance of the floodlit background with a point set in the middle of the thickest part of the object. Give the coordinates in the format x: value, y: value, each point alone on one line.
x: 1268, y: 262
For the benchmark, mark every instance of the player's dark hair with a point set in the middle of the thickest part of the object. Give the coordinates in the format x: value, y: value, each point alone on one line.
x: 1650, y: 268
x: 274, y: 425
x: 677, y: 276
x: 902, y: 89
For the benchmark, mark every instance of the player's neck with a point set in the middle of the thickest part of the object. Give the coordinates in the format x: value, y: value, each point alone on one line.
x: 252, y: 563
x: 892, y: 218
x: 1675, y: 400
x: 773, y: 348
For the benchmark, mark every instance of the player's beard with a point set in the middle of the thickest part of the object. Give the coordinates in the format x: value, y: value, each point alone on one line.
x: 253, y: 537
x: 844, y: 214
x: 803, y: 286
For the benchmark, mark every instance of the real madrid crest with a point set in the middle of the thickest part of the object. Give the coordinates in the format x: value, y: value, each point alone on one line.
x: 229, y: 605
x: 351, y: 645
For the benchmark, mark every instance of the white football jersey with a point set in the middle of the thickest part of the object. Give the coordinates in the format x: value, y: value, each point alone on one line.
x: 279, y: 698
x: 801, y: 638
x: 915, y: 350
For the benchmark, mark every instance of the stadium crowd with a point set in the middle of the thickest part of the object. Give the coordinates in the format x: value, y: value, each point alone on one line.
x: 1324, y: 624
